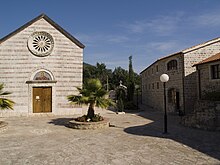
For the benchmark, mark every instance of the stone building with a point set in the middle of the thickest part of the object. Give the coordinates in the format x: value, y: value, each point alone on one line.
x: 208, y: 79
x: 206, y: 112
x: 41, y: 63
x: 181, y: 89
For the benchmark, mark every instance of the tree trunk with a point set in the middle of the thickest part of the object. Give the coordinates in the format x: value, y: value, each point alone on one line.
x: 91, y: 112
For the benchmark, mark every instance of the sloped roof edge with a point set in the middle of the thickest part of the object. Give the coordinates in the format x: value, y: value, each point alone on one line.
x: 55, y: 25
x: 198, y: 46
x: 213, y: 58
x: 160, y: 60
x: 187, y: 50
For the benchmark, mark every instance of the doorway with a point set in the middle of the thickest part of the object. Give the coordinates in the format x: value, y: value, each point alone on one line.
x: 42, y: 99
x: 174, y: 100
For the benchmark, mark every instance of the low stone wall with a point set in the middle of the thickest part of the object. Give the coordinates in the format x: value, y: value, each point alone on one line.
x: 89, y: 125
x: 206, y: 116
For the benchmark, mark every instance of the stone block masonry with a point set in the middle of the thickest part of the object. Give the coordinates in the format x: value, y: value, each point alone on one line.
x: 18, y: 66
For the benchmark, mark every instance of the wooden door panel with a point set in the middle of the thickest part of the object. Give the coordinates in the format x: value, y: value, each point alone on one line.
x: 37, y: 100
x: 42, y: 99
x: 47, y: 99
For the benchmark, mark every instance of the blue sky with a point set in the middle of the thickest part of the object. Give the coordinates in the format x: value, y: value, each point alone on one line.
x: 112, y: 30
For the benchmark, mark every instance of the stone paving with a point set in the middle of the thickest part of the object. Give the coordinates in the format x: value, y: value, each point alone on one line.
x: 132, y: 139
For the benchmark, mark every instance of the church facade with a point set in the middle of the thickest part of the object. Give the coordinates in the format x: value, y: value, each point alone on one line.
x: 41, y: 63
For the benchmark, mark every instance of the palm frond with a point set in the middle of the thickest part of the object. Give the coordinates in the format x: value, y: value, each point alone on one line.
x: 6, y: 103
x: 92, y: 93
x: 1, y: 92
x: 1, y: 86
x: 4, y: 93
x: 104, y: 103
x: 76, y: 99
x: 101, y: 93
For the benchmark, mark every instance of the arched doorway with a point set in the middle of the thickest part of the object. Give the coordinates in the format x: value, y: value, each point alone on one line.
x: 41, y: 87
x: 42, y: 96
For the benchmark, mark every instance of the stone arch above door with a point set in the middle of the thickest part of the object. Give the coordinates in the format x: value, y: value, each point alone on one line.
x: 42, y: 75
x: 41, y: 87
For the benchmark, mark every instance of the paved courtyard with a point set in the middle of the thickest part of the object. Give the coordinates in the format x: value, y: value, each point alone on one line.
x: 133, y: 139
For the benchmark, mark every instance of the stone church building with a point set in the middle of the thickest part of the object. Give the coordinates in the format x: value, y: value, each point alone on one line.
x: 41, y: 63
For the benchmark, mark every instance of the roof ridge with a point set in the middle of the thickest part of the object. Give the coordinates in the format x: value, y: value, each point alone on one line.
x: 186, y: 50
x: 192, y: 48
x: 50, y: 21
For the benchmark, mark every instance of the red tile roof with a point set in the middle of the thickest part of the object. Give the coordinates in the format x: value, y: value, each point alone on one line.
x: 213, y: 58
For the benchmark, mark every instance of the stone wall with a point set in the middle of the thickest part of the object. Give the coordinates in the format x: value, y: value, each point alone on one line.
x: 190, y: 76
x: 206, y: 83
x: 206, y: 116
x: 18, y: 64
x: 152, y: 87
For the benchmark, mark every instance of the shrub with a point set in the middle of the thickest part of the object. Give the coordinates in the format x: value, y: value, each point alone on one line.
x: 85, y: 118
x: 97, y: 118
x: 82, y: 118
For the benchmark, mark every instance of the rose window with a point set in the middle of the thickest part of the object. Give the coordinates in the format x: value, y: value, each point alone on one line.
x: 41, y: 43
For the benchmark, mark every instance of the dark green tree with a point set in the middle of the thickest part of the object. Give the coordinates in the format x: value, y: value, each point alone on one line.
x: 119, y: 74
x: 109, y: 79
x: 104, y: 75
x: 89, y: 72
x: 131, y: 85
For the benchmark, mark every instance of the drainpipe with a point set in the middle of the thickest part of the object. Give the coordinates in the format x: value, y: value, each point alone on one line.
x: 183, y: 82
x: 199, y: 79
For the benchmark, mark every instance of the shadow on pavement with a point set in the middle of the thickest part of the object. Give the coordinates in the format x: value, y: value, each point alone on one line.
x: 206, y: 142
x: 61, y: 121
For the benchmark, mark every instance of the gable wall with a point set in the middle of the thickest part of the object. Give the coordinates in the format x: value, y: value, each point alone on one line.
x: 17, y: 64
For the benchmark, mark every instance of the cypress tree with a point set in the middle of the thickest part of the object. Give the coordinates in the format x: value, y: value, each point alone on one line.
x: 130, y: 81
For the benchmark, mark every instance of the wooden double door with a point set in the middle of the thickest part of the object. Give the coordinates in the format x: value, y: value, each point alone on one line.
x: 42, y: 99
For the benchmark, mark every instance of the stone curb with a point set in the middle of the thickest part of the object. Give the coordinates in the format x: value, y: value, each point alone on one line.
x: 89, y: 125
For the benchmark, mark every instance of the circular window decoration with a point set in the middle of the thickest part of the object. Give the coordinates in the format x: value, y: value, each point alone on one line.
x: 40, y: 43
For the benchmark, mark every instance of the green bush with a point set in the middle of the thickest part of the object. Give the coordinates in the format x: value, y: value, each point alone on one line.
x: 85, y: 118
x: 82, y: 118
x: 97, y: 118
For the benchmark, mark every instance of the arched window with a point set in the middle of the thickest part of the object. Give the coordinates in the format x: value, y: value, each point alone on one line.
x: 172, y: 65
x: 42, y: 75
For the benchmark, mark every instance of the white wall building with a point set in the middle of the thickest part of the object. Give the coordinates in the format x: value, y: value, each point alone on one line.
x: 41, y: 63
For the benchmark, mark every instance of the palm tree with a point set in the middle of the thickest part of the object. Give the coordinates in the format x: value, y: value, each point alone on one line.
x: 91, y: 94
x: 5, y: 103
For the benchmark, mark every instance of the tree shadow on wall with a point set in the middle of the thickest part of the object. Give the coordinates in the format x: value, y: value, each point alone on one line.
x: 206, y: 142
